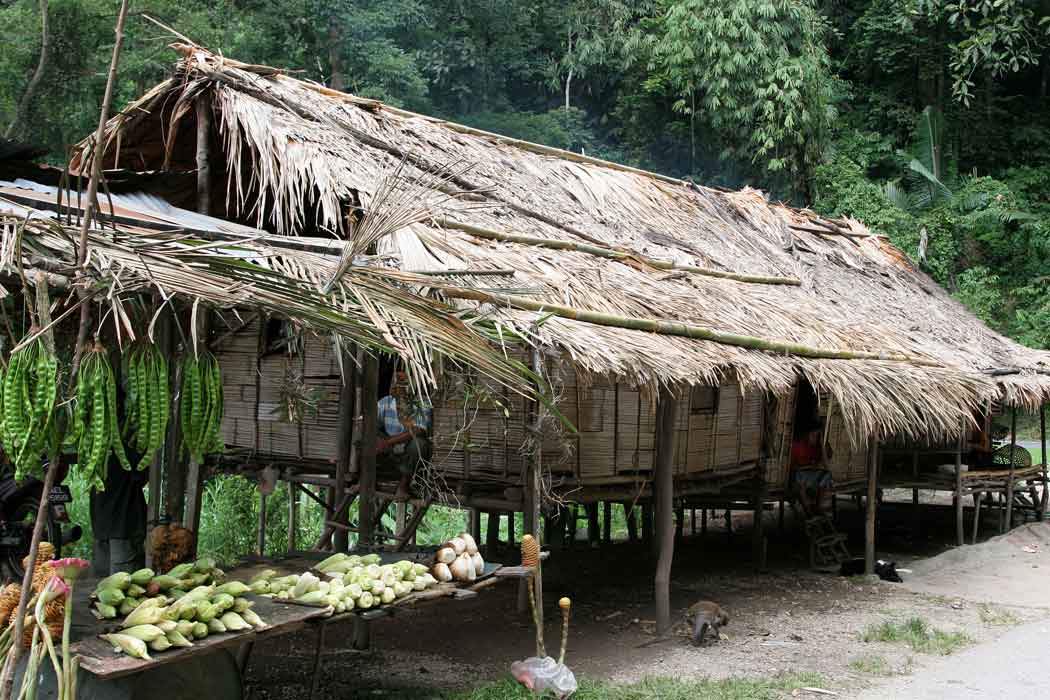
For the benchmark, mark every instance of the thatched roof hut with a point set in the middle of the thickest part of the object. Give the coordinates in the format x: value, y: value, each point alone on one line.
x: 295, y: 158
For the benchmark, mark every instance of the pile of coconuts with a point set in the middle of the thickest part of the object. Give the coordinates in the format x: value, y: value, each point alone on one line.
x: 458, y: 560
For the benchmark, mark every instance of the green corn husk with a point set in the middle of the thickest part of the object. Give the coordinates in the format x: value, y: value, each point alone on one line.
x: 204, y: 565
x: 200, y: 630
x: 142, y: 577
x: 154, y: 602
x: 194, y: 580
x: 311, y: 598
x: 215, y: 625
x: 242, y: 604
x: 366, y: 600
x: 110, y: 596
x: 167, y: 625
x: 234, y: 622
x: 264, y: 575
x: 166, y: 582
x: 371, y: 559
x: 253, y: 619
x: 181, y: 571
x: 388, y: 596
x: 185, y: 628
x: 206, y: 612
x: 135, y: 591
x: 160, y: 644
x: 330, y: 561
x: 144, y: 615
x: 172, y: 612
x: 260, y: 587
x: 129, y: 645
x: 223, y: 601
x: 234, y: 588
x: 306, y: 583
x: 120, y: 580
x: 146, y: 633
x: 105, y: 612
x: 128, y: 604
x: 177, y: 593
x: 178, y: 639
x: 217, y: 576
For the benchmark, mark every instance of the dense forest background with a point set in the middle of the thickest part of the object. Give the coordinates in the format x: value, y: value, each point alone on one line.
x: 927, y: 119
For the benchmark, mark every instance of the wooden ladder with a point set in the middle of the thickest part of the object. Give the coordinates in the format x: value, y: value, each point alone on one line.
x: 827, y: 546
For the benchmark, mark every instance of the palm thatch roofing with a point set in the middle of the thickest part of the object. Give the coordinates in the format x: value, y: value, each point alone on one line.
x: 628, y: 273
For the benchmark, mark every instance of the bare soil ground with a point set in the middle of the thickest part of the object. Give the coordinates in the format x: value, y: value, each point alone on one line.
x: 785, y: 619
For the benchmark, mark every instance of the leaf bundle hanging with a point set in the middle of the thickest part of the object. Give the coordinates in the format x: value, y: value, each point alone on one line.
x: 29, y: 390
x: 96, y: 429
x: 201, y: 405
x: 146, y: 408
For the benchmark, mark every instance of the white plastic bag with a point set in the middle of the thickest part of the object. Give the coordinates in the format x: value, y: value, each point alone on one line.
x: 544, y: 675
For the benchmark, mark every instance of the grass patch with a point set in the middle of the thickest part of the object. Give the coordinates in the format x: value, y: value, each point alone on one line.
x: 997, y: 617
x: 649, y: 689
x: 872, y: 665
x: 916, y: 633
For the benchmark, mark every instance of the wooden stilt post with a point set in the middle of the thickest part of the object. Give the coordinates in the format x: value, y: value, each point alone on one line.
x: 780, y: 517
x: 1046, y: 458
x: 679, y: 522
x: 703, y: 521
x: 293, y: 517
x: 533, y: 494
x: 960, y: 533
x: 758, y: 531
x: 632, y: 522
x: 260, y: 536
x: 475, y: 524
x: 916, y: 511
x: 1010, y: 474
x: 343, y: 451
x: 401, y: 518
x: 492, y: 534
x: 666, y: 437
x: 976, y: 516
x: 511, y: 526
x: 729, y: 525
x: 573, y: 523
x: 692, y: 521
x: 869, y: 521
x: 647, y: 527
x: 593, y: 530
x: 607, y: 522
x: 366, y: 507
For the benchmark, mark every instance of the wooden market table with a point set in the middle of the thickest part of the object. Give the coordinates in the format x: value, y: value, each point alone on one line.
x: 98, y: 658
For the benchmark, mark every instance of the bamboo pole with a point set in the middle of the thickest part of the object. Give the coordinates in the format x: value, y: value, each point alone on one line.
x: 611, y: 253
x: 1010, y: 474
x: 960, y: 531
x: 347, y: 409
x: 679, y: 328
x: 1046, y: 483
x: 203, y: 110
x: 869, y: 519
x: 7, y: 677
x: 367, y: 476
x: 667, y: 436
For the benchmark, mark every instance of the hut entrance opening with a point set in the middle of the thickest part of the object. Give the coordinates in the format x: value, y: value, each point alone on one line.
x: 809, y: 480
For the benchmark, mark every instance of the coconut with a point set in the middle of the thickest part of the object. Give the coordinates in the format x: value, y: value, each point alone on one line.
x: 463, y: 568
x: 458, y: 544
x: 441, y: 572
x: 479, y: 563
x: 472, y: 546
x: 446, y: 555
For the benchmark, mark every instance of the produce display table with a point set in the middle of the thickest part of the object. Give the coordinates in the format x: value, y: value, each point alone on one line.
x: 98, y: 658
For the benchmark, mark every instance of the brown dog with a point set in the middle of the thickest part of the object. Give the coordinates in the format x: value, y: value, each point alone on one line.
x: 706, y: 615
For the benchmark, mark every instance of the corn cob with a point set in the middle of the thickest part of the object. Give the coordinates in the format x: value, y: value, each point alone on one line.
x: 9, y: 601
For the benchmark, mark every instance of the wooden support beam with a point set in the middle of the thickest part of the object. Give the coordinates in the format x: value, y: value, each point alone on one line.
x: 1013, y: 469
x: 666, y: 438
x: 260, y: 535
x: 593, y: 529
x: 293, y: 518
x: 960, y: 532
x: 1046, y: 458
x: 367, y: 477
x: 679, y: 522
x: 869, y: 520
x: 647, y: 527
x: 408, y: 534
x: 916, y: 510
x: 203, y: 111
x: 758, y: 532
x: 343, y: 449
x: 607, y: 522
x: 492, y: 534
x: 533, y: 494
x: 475, y: 524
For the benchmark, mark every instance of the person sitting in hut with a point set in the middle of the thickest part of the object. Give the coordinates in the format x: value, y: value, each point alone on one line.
x: 404, y: 424
x: 981, y: 447
x: 810, y: 479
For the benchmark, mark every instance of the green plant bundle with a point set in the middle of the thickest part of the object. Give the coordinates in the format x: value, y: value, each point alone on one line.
x: 146, y: 406
x: 201, y: 405
x: 96, y: 430
x: 29, y: 390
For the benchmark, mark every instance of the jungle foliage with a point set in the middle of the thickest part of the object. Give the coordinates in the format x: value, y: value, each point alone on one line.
x: 926, y: 119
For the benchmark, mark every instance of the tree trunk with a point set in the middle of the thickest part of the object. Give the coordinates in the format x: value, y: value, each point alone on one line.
x: 38, y: 74
x: 667, y: 410
x: 369, y: 432
x: 337, y: 81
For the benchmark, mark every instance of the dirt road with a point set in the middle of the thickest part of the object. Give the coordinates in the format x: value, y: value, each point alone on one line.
x: 1013, y: 666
